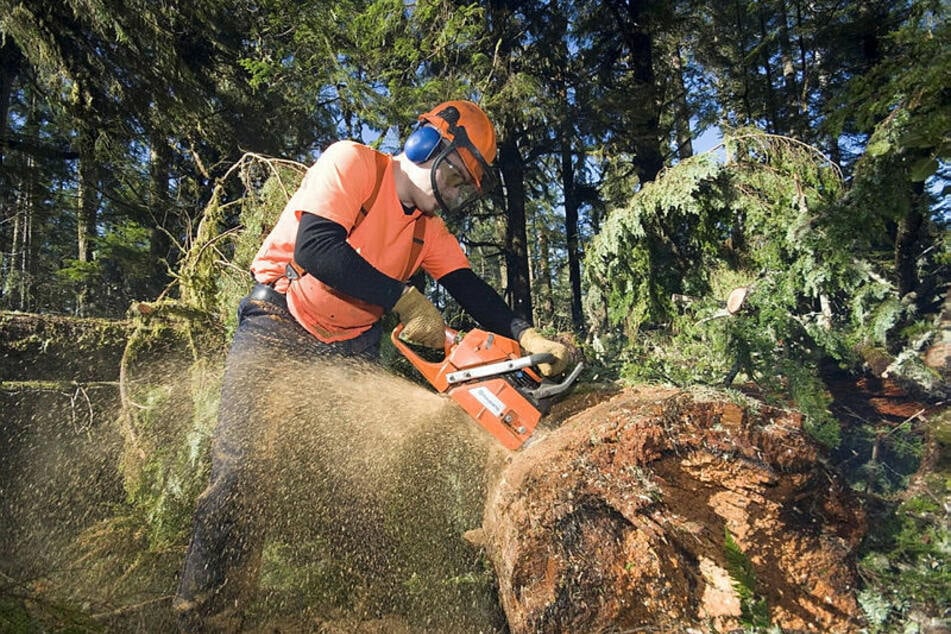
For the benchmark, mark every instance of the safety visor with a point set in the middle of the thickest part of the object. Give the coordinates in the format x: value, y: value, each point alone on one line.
x: 453, y: 183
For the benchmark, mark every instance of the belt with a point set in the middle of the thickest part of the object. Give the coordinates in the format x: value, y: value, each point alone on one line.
x: 265, y: 293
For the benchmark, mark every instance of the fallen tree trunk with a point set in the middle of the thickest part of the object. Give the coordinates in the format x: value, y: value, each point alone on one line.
x: 669, y: 511
x: 59, y: 348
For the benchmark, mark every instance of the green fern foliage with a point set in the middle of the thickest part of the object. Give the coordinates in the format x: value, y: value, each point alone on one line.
x: 754, y: 611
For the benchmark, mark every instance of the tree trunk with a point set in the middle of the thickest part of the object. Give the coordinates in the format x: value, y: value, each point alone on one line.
x: 20, y: 278
x: 791, y: 91
x: 160, y: 207
x: 86, y: 214
x: 906, y: 242
x: 615, y: 521
x: 572, y: 201
x: 683, y: 115
x: 10, y: 60
x: 19, y: 282
x: 741, y: 35
x: 543, y: 278
x: 518, y: 289
x: 571, y: 235
x: 775, y: 123
x: 633, y: 18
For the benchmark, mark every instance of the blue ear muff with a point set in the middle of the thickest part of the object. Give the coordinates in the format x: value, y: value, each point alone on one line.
x: 422, y: 144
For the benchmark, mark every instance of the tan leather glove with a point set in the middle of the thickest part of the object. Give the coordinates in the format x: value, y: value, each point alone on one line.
x: 422, y: 322
x: 534, y: 343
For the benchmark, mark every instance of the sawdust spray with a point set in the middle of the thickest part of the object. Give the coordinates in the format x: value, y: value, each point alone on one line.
x: 371, y: 482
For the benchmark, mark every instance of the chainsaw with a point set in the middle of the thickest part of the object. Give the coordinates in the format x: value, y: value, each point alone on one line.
x: 494, y: 383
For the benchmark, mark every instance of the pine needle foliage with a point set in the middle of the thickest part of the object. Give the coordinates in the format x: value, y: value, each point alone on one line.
x: 769, y: 220
x: 245, y: 204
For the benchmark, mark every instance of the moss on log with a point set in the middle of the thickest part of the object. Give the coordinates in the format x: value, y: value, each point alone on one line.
x: 60, y: 348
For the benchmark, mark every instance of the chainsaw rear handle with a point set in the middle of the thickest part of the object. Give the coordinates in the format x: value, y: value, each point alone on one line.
x: 450, y: 340
x: 543, y: 357
x: 432, y: 371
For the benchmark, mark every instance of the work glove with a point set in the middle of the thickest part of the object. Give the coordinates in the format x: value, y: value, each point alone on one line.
x: 422, y: 322
x: 534, y: 343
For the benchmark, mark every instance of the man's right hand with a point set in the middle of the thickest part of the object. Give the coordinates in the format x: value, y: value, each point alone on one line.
x: 422, y: 322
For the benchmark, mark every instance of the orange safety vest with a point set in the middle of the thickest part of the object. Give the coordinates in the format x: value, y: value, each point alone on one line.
x: 345, y: 185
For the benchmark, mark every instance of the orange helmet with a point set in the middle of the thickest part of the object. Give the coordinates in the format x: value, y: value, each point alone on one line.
x: 469, y: 132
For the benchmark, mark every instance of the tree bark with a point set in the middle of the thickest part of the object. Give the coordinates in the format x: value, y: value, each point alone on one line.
x: 571, y: 234
x: 906, y: 242
x: 543, y: 276
x: 682, y: 120
x: 18, y: 283
x: 160, y: 206
x: 633, y: 18
x: 14, y: 283
x: 774, y: 121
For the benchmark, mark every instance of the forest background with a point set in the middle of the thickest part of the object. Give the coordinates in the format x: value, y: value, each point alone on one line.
x: 822, y: 202
x: 824, y: 206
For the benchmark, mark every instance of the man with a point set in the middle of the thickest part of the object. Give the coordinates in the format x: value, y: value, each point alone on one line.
x: 356, y: 230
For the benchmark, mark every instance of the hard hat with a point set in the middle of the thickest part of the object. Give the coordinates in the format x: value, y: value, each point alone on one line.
x: 464, y: 131
x: 465, y: 125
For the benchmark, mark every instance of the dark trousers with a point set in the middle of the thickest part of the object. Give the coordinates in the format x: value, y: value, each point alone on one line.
x: 223, y: 557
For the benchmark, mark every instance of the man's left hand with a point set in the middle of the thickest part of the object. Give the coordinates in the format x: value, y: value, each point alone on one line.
x: 422, y: 322
x: 534, y: 343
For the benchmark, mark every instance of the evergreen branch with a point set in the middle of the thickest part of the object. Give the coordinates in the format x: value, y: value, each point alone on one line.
x: 61, y: 151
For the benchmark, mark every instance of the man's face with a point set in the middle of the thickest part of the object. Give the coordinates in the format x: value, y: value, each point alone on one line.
x: 453, y: 186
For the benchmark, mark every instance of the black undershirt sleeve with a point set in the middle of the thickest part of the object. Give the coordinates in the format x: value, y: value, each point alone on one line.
x: 323, y: 251
x: 483, y: 302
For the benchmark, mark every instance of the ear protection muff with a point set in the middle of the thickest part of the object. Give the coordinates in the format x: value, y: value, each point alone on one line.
x: 422, y: 144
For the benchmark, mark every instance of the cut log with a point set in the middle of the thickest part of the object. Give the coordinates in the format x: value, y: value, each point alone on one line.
x: 619, y: 520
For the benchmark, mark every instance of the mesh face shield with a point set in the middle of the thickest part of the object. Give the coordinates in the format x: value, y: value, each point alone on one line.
x: 453, y: 184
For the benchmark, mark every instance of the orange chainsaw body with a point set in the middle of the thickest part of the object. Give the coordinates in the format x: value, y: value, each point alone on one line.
x: 494, y: 402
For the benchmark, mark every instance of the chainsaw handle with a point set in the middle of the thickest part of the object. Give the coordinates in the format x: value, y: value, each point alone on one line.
x: 448, y: 343
x: 431, y: 370
x: 542, y: 357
